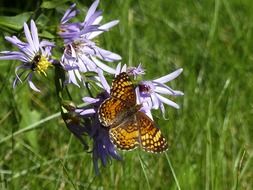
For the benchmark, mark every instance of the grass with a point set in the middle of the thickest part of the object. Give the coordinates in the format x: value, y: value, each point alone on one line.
x: 210, y: 136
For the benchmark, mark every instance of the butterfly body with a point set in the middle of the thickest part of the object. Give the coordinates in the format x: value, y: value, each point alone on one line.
x: 129, y: 127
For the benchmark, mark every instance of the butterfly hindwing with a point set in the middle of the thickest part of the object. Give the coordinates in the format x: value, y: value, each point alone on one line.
x: 151, y: 138
x: 139, y: 130
x: 125, y: 136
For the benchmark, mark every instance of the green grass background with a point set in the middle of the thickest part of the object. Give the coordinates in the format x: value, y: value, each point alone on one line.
x: 210, y: 136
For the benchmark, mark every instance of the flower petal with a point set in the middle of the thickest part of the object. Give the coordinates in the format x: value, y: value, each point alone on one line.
x: 169, y: 91
x: 87, y: 111
x: 91, y: 10
x: 155, y: 100
x: 35, y: 36
x: 29, y: 39
x: 70, y: 13
x: 90, y: 100
x: 167, y: 101
x: 31, y: 84
x: 169, y: 77
x: 103, y: 81
x: 103, y: 28
x: 103, y: 66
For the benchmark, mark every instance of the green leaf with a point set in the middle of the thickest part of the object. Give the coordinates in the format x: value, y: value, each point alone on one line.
x: 14, y: 22
x: 28, y: 115
x: 52, y: 4
x: 90, y: 74
x: 46, y: 34
x: 28, y: 118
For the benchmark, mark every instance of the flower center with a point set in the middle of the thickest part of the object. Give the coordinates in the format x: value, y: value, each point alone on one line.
x: 146, y: 88
x: 40, y: 64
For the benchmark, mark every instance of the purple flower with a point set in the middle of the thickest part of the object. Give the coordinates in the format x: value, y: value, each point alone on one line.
x: 34, y: 54
x: 151, y: 93
x: 103, y: 148
x: 132, y: 71
x: 81, y: 54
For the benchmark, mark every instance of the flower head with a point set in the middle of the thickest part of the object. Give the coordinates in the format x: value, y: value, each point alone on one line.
x: 81, y: 53
x: 131, y: 71
x: 34, y: 54
x: 151, y: 93
x: 103, y: 149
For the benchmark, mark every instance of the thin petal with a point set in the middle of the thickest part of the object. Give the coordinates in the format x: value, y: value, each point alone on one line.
x: 103, y: 28
x: 15, y: 41
x: 35, y: 37
x: 169, y: 77
x: 90, y: 100
x: 88, y: 63
x: 31, y: 84
x: 98, y: 20
x: 29, y: 38
x: 88, y: 111
x: 167, y: 101
x: 72, y: 78
x: 91, y: 10
x: 118, y: 69
x: 155, y: 101
x: 109, y: 25
x: 95, y: 18
x: 124, y: 68
x: 14, y: 55
x: 70, y: 13
x: 103, y: 80
x: 147, y: 110
x: 169, y: 91
x: 103, y: 66
x: 138, y: 98
x: 107, y: 55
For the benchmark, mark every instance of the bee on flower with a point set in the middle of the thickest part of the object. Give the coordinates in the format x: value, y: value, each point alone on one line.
x: 34, y: 55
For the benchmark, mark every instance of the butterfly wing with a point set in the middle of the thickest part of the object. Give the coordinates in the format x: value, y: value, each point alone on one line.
x: 138, y: 130
x: 109, y: 110
x: 151, y: 138
x: 125, y: 136
x: 123, y: 89
x: 121, y: 103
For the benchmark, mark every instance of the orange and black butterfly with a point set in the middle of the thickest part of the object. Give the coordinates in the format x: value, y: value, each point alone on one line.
x: 128, y: 126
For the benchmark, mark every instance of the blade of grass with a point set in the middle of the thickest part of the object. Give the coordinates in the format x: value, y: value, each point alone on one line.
x: 144, y: 172
x: 66, y: 172
x: 31, y: 127
x: 239, y: 168
x: 172, y: 171
x: 37, y: 166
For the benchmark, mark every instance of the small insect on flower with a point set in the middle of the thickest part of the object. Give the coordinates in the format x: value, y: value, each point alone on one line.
x: 34, y: 55
x: 129, y: 127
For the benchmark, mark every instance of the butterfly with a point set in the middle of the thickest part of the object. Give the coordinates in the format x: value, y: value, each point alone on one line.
x: 128, y: 126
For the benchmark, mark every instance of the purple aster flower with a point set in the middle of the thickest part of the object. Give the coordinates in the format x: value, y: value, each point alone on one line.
x: 81, y: 54
x: 135, y: 71
x: 34, y: 54
x: 103, y: 148
x: 132, y: 71
x: 151, y: 93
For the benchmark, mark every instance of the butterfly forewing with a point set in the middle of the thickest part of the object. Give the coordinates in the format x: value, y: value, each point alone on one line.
x: 123, y: 89
x: 109, y: 110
